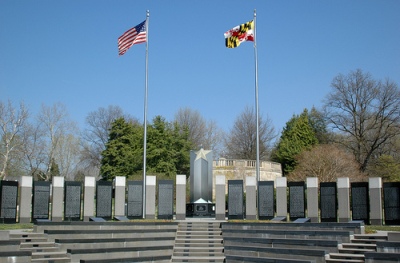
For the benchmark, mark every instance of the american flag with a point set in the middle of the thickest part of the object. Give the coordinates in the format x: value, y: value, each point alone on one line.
x: 135, y: 35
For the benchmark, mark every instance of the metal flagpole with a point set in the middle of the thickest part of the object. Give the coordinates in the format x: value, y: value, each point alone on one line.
x: 257, y: 111
x: 145, y: 114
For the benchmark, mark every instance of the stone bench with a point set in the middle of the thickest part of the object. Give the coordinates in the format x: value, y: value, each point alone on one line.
x: 150, y: 259
x: 316, y: 255
x: 8, y: 245
x: 240, y: 259
x: 15, y: 256
x: 108, y: 233
x: 341, y: 236
x: 327, y: 245
x: 79, y: 225
x: 381, y: 257
x: 388, y: 246
x: 119, y: 253
x: 357, y: 227
x: 91, y: 243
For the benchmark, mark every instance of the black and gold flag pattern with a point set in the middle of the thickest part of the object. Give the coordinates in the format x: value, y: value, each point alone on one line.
x: 239, y: 34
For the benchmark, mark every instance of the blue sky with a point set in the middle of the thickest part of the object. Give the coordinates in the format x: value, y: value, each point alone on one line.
x: 66, y: 51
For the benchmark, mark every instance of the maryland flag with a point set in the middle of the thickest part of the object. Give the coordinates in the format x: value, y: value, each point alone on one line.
x: 239, y: 34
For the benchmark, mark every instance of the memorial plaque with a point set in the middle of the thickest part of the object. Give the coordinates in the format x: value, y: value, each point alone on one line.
x: 391, y: 198
x: 360, y: 202
x: 8, y: 201
x: 165, y: 199
x: 266, y: 202
x: 104, y: 199
x: 41, y: 199
x: 328, y: 202
x: 135, y: 199
x: 72, y: 201
x: 296, y: 200
x: 235, y: 199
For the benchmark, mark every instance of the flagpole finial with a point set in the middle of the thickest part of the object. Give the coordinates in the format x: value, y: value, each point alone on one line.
x: 147, y: 13
x: 254, y: 12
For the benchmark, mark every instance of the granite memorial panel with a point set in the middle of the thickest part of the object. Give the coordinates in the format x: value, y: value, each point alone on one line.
x: 41, y: 199
x: 266, y: 209
x: 297, y: 207
x: 72, y: 200
x: 135, y: 200
x: 328, y: 202
x: 235, y: 199
x: 165, y: 199
x: 391, y: 199
x: 8, y: 201
x: 360, y: 201
x: 104, y: 199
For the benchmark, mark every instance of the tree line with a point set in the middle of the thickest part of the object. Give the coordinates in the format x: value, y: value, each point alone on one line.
x: 355, y: 134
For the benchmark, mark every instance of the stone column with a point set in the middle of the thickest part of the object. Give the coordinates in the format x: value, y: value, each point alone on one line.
x: 57, y: 203
x: 88, y: 197
x: 119, y: 199
x: 180, y: 208
x: 312, y: 199
x: 281, y: 197
x: 343, y: 189
x: 150, y: 197
x: 251, y: 201
x: 375, y: 197
x: 220, y: 205
x: 25, y: 199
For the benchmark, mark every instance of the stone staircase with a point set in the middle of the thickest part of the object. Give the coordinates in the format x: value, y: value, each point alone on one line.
x: 198, y: 241
x: 355, y: 250
x: 42, y: 250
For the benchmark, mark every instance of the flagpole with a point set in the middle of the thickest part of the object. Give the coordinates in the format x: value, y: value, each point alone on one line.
x: 256, y: 97
x: 145, y: 114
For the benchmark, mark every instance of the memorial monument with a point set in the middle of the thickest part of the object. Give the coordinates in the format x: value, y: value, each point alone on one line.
x: 201, y: 184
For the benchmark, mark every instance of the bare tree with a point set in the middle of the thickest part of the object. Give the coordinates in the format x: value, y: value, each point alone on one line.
x: 12, y: 121
x: 55, y: 125
x: 95, y: 136
x: 67, y: 155
x: 241, y: 142
x: 366, y: 111
x: 34, y: 149
x: 327, y: 162
x: 202, y: 133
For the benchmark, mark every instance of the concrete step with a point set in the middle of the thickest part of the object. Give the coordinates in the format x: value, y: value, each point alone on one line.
x: 47, y: 255
x: 197, y: 259
x: 44, y: 244
x: 358, y: 246
x: 198, y: 242
x: 53, y: 260
x: 344, y: 261
x: 346, y: 256
x: 41, y: 249
x: 199, y: 249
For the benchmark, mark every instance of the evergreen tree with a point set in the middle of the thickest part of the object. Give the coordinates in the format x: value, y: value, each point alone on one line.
x: 168, y: 149
x: 298, y: 135
x: 123, y: 153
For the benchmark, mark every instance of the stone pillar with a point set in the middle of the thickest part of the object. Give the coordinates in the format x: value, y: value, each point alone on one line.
x: 375, y: 197
x: 57, y: 204
x: 180, y: 208
x: 150, y: 197
x: 25, y: 199
x: 119, y: 199
x: 281, y: 197
x: 343, y: 189
x: 312, y: 199
x: 220, y: 205
x: 88, y: 197
x: 251, y: 201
